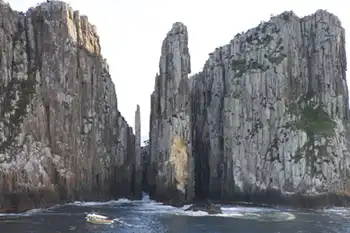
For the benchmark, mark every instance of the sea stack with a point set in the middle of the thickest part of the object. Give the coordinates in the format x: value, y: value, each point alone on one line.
x: 171, y: 171
x: 138, y: 163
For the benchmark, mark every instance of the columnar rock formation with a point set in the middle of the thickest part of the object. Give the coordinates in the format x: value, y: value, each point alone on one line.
x: 61, y: 134
x: 269, y: 113
x: 138, y: 165
x: 171, y: 163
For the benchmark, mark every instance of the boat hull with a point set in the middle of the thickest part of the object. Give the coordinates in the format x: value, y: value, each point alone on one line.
x: 102, y: 221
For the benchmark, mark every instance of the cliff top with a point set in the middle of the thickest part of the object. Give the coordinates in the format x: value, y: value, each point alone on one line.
x: 177, y: 32
x: 177, y: 28
x: 288, y: 16
x: 78, y: 25
x: 265, y: 28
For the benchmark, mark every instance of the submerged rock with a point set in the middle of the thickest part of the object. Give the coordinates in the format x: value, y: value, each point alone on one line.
x: 61, y: 134
x: 269, y: 115
x: 206, y: 207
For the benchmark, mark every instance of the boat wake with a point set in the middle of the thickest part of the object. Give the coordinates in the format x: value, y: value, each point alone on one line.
x: 26, y: 213
x: 117, y: 220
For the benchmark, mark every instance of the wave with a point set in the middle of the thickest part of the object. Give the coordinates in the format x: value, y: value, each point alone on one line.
x: 148, y: 206
x: 257, y: 213
x: 145, y: 198
x: 26, y: 213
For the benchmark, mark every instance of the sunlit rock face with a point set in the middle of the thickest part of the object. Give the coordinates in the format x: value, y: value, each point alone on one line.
x: 268, y: 119
x: 61, y: 134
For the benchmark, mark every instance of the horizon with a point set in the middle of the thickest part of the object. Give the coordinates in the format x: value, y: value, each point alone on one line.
x: 133, y: 22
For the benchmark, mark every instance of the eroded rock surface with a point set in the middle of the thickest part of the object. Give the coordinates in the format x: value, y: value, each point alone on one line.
x: 269, y: 114
x: 171, y: 163
x: 61, y: 134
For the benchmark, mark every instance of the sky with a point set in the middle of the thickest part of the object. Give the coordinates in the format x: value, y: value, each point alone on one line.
x: 131, y: 34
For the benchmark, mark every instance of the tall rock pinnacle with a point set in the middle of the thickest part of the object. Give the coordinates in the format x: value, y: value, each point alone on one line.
x: 170, y: 133
x: 138, y: 167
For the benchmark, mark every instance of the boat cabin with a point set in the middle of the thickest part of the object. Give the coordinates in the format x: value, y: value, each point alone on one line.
x: 96, y: 217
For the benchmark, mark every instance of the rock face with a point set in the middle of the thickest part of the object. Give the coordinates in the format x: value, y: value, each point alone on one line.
x: 171, y: 163
x: 61, y: 134
x: 269, y: 114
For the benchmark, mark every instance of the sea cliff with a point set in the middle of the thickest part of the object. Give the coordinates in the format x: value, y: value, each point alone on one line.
x: 266, y: 120
x: 62, y: 137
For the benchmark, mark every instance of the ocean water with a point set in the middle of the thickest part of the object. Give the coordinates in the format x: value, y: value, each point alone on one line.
x: 147, y: 216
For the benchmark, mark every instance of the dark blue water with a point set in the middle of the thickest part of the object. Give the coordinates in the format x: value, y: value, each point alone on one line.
x: 150, y: 217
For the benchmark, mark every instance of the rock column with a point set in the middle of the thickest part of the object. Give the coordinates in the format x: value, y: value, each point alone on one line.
x: 170, y: 175
x: 138, y: 164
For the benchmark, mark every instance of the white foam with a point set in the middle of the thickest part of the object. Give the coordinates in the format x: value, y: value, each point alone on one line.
x: 93, y: 203
x: 337, y: 210
x: 246, y: 209
x: 145, y: 197
x: 289, y: 216
x: 191, y: 213
x: 342, y: 211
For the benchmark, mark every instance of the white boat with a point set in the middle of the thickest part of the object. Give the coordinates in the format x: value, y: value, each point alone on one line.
x: 97, y: 219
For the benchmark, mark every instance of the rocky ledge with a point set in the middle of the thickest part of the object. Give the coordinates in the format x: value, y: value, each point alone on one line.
x: 61, y: 135
x: 266, y: 120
